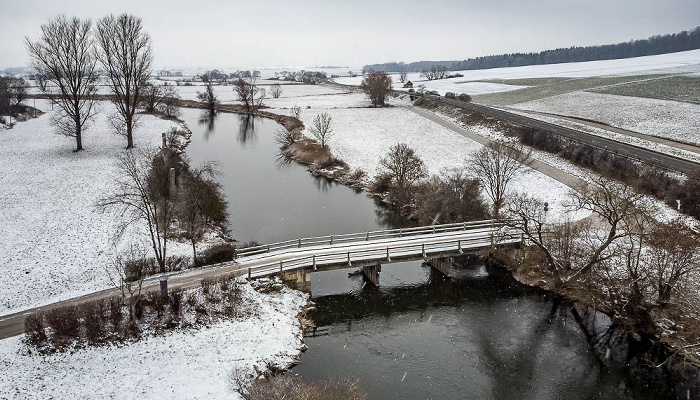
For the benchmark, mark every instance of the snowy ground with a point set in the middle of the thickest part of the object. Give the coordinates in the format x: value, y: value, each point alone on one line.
x: 55, y: 242
x: 362, y: 136
x: 668, y: 119
x: 682, y: 62
x: 191, y: 364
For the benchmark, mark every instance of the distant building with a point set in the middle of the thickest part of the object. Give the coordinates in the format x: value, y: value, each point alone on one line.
x: 408, y: 84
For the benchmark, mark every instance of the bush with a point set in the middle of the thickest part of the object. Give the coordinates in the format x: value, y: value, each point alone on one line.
x: 115, y: 313
x: 64, y: 321
x: 464, y: 97
x: 294, y: 388
x: 217, y: 254
x: 381, y: 184
x: 450, y: 95
x: 34, y: 328
x: 175, y: 299
x: 93, y: 316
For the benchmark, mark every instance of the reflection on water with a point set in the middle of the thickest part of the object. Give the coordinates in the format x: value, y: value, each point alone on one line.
x: 207, y: 119
x: 246, y: 128
x: 270, y: 198
x: 477, y: 336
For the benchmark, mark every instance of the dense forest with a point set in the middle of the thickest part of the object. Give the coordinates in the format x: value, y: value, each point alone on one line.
x: 660, y: 44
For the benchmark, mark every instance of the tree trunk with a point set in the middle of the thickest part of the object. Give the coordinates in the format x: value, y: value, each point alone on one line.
x: 194, y: 254
x: 78, y: 136
x: 129, y: 135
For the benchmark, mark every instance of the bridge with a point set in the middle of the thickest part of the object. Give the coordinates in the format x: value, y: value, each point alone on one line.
x: 295, y: 260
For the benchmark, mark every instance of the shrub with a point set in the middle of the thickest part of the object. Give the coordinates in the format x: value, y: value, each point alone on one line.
x: 217, y: 254
x: 450, y: 95
x: 65, y: 324
x: 464, y: 97
x: 34, y: 328
x: 175, y: 299
x: 115, y: 313
x: 157, y: 302
x: 294, y: 388
x: 381, y: 184
x: 92, y: 313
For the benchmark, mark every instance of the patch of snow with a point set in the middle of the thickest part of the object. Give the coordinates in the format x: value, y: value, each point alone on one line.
x: 681, y: 62
x: 55, y: 242
x: 177, y: 365
x: 664, y: 118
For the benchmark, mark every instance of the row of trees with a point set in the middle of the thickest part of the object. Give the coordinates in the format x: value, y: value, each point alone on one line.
x: 660, y: 44
x: 435, y: 72
x: 69, y: 53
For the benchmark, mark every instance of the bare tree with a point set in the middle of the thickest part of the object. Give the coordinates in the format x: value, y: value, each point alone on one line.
x: 576, y: 249
x: 674, y: 256
x: 155, y: 97
x: 249, y: 93
x: 144, y: 193
x: 377, y: 85
x: 404, y: 167
x: 127, y: 272
x: 208, y: 98
x: 322, y: 129
x: 496, y: 165
x: 201, y: 203
x: 451, y: 197
x: 124, y: 51
x: 618, y: 205
x: 64, y: 55
x: 402, y: 77
x: 296, y: 112
x: 41, y: 81
x: 276, y: 90
x: 17, y: 90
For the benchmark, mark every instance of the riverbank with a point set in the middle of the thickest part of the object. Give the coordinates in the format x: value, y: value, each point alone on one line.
x: 652, y: 362
x: 337, y: 172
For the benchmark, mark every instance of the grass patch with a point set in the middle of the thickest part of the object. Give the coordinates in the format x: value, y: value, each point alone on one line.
x: 675, y: 88
x: 549, y: 87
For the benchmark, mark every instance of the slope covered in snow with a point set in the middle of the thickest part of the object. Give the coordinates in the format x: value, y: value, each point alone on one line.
x: 55, y: 242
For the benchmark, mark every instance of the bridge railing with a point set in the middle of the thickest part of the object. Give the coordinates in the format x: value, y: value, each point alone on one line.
x: 365, y: 236
x: 382, y: 253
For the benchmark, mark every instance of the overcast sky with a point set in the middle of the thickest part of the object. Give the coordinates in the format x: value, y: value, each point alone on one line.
x: 266, y: 33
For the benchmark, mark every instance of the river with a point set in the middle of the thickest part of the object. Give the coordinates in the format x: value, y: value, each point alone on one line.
x: 479, y: 335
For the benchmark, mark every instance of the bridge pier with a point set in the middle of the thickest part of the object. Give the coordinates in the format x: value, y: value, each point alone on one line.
x: 442, y: 264
x: 371, y: 273
x: 299, y: 279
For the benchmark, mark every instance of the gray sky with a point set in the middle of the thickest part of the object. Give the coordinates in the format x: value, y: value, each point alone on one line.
x: 266, y: 33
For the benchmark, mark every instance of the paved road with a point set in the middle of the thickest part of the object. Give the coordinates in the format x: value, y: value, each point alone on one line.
x: 645, y: 155
x: 553, y: 172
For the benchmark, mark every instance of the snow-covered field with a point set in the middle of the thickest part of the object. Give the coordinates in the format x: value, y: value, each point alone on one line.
x: 55, y: 243
x: 363, y: 136
x: 192, y: 364
x: 668, y: 119
x: 681, y: 62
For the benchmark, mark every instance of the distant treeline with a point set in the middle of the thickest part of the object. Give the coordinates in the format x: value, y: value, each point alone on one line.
x: 659, y: 44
